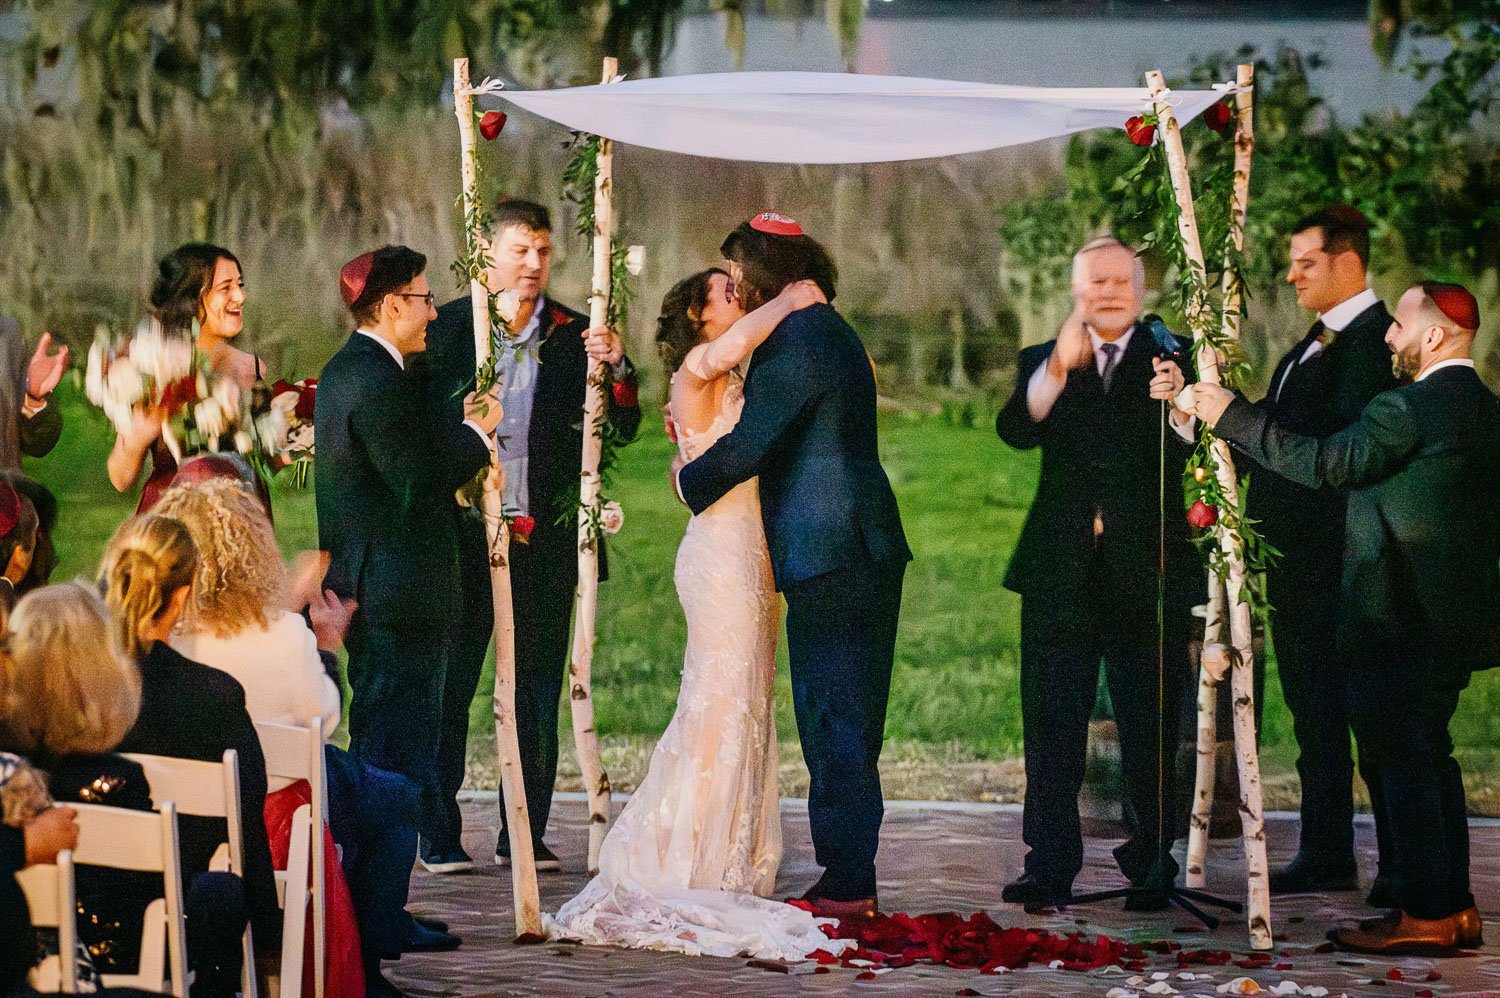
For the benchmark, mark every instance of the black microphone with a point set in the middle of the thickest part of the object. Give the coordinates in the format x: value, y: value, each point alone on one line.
x: 1167, y: 347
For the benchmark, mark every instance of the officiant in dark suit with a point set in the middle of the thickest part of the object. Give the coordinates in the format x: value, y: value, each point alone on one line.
x: 542, y: 360
x: 1086, y: 567
x: 385, y: 465
x: 1319, y: 387
x: 1420, y: 606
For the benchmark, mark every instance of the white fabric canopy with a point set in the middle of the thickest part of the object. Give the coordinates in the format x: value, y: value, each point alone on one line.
x: 838, y: 117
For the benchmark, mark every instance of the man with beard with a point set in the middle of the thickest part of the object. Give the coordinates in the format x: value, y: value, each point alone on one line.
x: 1420, y: 606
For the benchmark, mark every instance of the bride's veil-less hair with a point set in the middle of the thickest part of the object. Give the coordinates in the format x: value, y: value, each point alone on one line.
x: 679, y: 327
x: 770, y: 262
x: 183, y: 277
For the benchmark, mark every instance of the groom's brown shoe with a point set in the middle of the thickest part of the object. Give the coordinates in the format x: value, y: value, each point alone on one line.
x: 1403, y: 935
x: 828, y: 908
x: 1468, y: 927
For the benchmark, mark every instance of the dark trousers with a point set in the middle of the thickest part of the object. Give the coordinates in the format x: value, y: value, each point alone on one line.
x: 1304, y: 621
x: 543, y: 577
x: 216, y: 915
x: 841, y: 634
x: 1401, y: 725
x: 395, y: 713
x: 1062, y: 643
x: 373, y: 816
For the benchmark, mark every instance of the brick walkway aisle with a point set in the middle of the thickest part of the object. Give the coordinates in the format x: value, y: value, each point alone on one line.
x: 933, y: 857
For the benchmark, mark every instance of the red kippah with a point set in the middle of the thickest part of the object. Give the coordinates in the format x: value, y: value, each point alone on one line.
x: 1457, y: 304
x: 353, y: 276
x: 776, y: 224
x: 10, y: 508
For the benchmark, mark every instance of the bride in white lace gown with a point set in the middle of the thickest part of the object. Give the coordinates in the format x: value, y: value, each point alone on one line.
x: 692, y: 860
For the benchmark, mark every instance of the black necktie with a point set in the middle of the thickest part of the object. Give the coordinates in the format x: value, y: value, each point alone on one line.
x: 1319, y: 334
x: 1111, y: 354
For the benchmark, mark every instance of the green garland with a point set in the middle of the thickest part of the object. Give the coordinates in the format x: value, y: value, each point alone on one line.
x: 475, y: 261
x: 1195, y: 301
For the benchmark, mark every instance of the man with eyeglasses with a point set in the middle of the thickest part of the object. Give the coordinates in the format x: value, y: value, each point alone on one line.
x: 384, y: 465
x: 543, y: 355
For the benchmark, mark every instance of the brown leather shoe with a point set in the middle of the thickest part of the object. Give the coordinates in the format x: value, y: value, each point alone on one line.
x: 828, y: 908
x: 1405, y: 936
x: 1470, y: 928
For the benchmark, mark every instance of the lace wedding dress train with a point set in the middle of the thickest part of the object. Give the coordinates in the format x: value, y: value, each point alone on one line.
x: 692, y: 858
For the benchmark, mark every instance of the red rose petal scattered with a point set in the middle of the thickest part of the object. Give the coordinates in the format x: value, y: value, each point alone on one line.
x: 823, y: 956
x: 1394, y: 974
x: 1433, y: 975
x: 864, y: 976
x: 490, y: 124
x: 966, y: 992
x: 1423, y: 993
x: 1324, y: 948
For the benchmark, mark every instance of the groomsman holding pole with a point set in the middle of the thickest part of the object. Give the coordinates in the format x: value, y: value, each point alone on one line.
x: 383, y: 466
x: 1420, y: 606
x: 1319, y: 387
x: 542, y: 359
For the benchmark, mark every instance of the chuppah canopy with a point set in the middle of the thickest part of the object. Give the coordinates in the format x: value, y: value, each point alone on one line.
x: 837, y: 117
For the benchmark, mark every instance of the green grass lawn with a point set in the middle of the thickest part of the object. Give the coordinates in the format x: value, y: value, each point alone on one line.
x: 963, y: 496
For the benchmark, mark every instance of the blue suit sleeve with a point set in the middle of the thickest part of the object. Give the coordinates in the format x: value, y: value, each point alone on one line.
x: 781, y: 387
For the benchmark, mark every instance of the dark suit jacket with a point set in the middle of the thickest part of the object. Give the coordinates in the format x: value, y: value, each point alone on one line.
x: 808, y: 430
x: 1421, y: 590
x: 39, y: 433
x: 387, y: 470
x: 193, y: 711
x: 17, y: 948
x: 1100, y: 455
x: 1321, y: 397
x: 554, y: 442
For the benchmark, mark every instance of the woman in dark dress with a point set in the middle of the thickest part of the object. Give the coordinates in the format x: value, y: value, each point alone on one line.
x: 196, y: 283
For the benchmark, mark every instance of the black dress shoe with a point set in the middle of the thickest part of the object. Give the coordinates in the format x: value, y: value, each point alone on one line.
x: 545, y: 859
x: 435, y: 924
x: 1305, y: 876
x: 1034, y: 893
x: 424, y: 940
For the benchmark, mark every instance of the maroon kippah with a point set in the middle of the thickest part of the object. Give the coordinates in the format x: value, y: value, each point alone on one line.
x: 776, y: 224
x: 1456, y: 303
x: 353, y: 276
x: 10, y: 508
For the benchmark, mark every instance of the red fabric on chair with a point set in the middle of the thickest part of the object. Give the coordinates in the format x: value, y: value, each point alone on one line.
x: 345, y: 975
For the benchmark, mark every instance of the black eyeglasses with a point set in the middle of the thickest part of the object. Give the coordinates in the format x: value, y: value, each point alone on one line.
x: 410, y: 294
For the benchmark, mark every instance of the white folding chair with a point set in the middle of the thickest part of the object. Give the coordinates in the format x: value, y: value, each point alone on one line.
x: 208, y: 790
x: 54, y: 905
x: 123, y: 839
x: 294, y: 753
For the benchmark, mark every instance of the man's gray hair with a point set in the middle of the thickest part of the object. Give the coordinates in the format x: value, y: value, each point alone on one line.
x: 1138, y: 271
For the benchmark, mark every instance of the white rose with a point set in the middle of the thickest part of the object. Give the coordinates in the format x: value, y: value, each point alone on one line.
x: 242, y: 442
x: 635, y: 260
x: 611, y: 517
x: 93, y: 378
x: 124, y: 384
x: 508, y: 304
x: 208, y: 415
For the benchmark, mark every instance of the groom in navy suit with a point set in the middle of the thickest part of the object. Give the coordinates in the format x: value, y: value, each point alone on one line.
x: 837, y: 548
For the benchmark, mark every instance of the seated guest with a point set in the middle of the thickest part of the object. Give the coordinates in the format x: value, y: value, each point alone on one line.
x: 25, y: 842
x: 43, y: 554
x: 238, y: 621
x: 71, y: 695
x: 18, y: 536
x: 189, y: 711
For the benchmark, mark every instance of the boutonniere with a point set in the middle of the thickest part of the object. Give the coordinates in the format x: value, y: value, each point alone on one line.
x: 556, y: 316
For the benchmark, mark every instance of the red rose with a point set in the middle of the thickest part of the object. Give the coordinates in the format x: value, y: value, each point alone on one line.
x: 1139, y: 131
x: 1217, y: 117
x: 557, y: 316
x: 179, y: 393
x: 522, y: 526
x: 491, y: 123
x: 1203, y: 515
x: 307, y: 400
x: 281, y: 388
x: 626, y: 394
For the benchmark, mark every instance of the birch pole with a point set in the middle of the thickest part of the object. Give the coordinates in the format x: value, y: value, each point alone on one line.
x: 586, y: 602
x: 528, y: 906
x: 1212, y: 673
x: 1236, y: 598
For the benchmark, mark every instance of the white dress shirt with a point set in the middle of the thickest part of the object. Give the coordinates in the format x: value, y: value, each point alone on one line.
x: 1450, y: 362
x: 1337, y: 320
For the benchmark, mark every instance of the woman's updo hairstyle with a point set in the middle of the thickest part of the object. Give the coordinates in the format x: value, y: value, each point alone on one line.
x: 183, y: 277
x: 679, y: 327
x: 149, y: 558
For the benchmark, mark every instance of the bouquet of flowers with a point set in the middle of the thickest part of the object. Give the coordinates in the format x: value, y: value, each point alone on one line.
x: 164, y: 375
x: 287, y: 426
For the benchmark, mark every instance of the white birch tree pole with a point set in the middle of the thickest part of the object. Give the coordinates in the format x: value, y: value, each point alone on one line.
x: 1212, y: 673
x: 1236, y: 603
x: 528, y: 906
x: 586, y: 602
